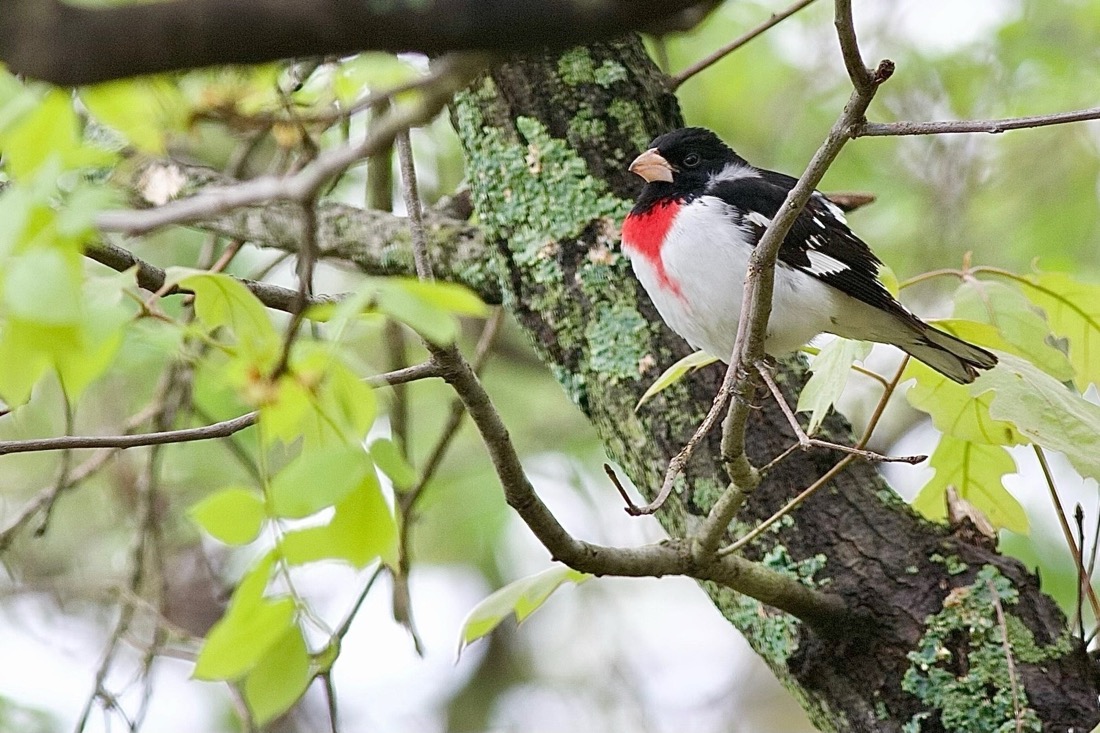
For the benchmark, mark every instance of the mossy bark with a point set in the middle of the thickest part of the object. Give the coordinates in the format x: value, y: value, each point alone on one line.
x: 548, y: 139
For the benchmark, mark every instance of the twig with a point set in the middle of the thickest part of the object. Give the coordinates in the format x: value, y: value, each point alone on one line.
x: 828, y: 476
x: 947, y: 127
x: 737, y: 43
x: 1078, y: 615
x: 1067, y: 534
x: 676, y: 465
x: 1017, y: 712
x: 806, y: 442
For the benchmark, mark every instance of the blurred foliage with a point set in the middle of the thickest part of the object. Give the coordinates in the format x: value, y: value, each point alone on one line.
x: 1009, y: 199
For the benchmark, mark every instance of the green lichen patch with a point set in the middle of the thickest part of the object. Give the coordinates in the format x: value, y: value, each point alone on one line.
x: 779, y: 558
x: 951, y: 563
x: 628, y: 115
x: 1027, y: 651
x: 971, y: 687
x: 576, y: 67
x: 616, y: 338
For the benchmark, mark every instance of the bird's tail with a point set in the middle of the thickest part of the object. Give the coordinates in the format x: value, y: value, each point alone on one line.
x: 948, y: 355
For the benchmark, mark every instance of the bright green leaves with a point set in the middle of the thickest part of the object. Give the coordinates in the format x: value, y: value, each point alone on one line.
x: 1043, y: 328
x: 234, y: 515
x: 1018, y: 321
x: 317, y: 479
x: 143, y: 110
x: 976, y: 471
x: 362, y: 530
x: 279, y: 678
x: 1044, y: 411
x: 390, y: 461
x: 830, y: 368
x: 258, y: 642
x: 37, y: 129
x: 520, y: 598
x: 1073, y: 310
x: 429, y: 308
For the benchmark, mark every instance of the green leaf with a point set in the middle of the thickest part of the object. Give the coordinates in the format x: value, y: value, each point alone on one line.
x: 1073, y: 310
x: 1044, y: 411
x: 389, y: 460
x: 521, y: 598
x: 675, y: 373
x: 240, y: 640
x: 43, y: 285
x: 141, y: 109
x: 1020, y: 323
x: 396, y: 299
x: 221, y: 300
x: 234, y: 515
x: 279, y: 679
x: 954, y: 409
x: 976, y: 471
x: 830, y: 370
x: 317, y: 479
x: 50, y: 131
x: 362, y: 529
x: 450, y: 297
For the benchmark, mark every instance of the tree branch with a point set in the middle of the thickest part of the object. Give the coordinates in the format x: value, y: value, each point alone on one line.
x: 879, y: 129
x: 67, y: 44
x: 706, y: 63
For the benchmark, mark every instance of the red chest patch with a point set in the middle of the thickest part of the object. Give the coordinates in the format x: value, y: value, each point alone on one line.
x: 645, y: 235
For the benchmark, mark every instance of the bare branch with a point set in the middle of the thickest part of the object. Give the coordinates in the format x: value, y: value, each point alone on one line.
x: 457, y: 71
x: 947, y: 127
x: 737, y: 43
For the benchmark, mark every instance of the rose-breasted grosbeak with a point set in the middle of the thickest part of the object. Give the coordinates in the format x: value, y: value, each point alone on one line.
x: 690, y: 234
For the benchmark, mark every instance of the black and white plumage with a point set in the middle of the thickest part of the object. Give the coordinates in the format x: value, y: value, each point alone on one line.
x: 691, y: 232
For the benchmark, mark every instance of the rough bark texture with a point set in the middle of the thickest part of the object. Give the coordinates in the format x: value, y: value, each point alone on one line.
x: 548, y: 139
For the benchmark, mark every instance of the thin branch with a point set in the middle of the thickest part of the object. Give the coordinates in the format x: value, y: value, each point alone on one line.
x: 947, y: 127
x: 221, y: 429
x: 1067, y: 533
x: 705, y: 63
x: 307, y: 183
x: 676, y: 465
x: 862, y: 78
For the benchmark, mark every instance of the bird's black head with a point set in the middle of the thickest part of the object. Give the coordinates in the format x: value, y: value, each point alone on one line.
x: 681, y: 162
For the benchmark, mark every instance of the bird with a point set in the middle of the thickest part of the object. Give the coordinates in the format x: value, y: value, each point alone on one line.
x: 690, y: 234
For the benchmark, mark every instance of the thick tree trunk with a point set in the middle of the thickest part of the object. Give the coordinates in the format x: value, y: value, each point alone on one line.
x: 547, y: 141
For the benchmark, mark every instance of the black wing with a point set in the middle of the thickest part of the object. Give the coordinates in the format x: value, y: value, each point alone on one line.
x: 820, y: 242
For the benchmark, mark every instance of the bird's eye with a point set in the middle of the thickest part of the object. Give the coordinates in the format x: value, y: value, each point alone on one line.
x: 691, y: 160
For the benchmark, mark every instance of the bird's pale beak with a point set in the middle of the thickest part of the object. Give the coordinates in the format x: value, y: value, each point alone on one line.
x: 652, y: 166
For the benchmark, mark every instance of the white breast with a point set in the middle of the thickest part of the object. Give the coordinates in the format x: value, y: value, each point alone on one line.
x: 706, y: 257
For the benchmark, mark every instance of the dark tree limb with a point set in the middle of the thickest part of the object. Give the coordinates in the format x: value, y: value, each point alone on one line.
x: 67, y: 44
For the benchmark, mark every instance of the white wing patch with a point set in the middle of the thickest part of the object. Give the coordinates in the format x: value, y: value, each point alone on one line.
x: 759, y: 219
x: 832, y: 208
x: 823, y: 264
